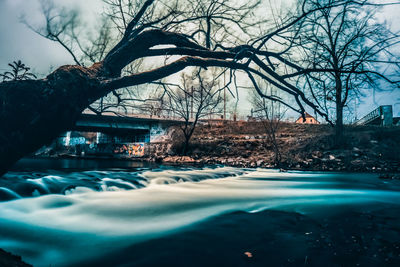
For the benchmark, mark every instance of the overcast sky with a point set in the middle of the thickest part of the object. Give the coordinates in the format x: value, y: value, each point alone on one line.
x: 19, y: 42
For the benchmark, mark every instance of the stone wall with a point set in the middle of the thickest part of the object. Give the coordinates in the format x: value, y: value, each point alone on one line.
x: 158, y: 150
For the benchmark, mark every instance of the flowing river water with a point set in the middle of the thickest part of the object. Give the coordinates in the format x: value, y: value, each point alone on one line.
x: 69, y: 214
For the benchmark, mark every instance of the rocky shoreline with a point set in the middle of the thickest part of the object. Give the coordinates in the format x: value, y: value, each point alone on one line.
x: 389, y: 171
x: 302, y: 147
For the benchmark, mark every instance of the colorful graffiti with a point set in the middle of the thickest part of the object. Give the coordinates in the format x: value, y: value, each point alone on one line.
x: 73, y: 141
x: 131, y: 150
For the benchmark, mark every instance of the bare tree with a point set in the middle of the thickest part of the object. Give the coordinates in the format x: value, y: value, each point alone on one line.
x: 197, y: 98
x: 209, y: 21
x: 223, y: 22
x: 270, y: 114
x: 346, y: 51
x: 29, y: 107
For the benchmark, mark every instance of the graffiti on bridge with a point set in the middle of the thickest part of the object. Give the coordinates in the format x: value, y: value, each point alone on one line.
x: 131, y: 150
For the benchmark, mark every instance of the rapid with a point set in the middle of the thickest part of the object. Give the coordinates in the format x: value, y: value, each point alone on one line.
x: 64, y: 217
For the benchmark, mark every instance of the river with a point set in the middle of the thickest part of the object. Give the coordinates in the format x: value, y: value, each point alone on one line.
x: 80, y: 212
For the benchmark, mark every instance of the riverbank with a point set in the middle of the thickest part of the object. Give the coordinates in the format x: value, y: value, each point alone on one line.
x: 302, y: 147
x: 245, y: 144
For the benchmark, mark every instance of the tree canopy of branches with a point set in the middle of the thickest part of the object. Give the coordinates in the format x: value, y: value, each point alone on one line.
x: 345, y: 52
x: 152, y: 29
x: 197, y: 98
x: 270, y: 114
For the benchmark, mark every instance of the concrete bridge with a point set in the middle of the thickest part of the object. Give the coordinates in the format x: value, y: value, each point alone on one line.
x: 383, y: 116
x: 149, y: 127
x: 123, y: 136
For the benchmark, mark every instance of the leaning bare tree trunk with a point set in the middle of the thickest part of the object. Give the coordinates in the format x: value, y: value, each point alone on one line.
x: 34, y: 112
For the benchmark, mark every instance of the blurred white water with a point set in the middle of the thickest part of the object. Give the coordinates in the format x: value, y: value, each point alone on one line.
x: 62, y: 230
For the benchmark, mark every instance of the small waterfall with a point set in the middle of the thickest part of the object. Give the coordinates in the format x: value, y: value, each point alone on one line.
x: 28, y: 184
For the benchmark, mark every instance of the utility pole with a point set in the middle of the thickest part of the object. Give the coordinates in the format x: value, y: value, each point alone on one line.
x: 224, y: 98
x: 191, y: 104
x: 355, y: 110
x: 272, y: 104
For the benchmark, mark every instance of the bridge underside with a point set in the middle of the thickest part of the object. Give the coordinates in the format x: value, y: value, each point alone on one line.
x: 113, y: 136
x: 112, y: 131
x: 121, y: 128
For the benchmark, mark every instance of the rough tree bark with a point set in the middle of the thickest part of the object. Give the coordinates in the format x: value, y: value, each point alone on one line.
x: 34, y: 112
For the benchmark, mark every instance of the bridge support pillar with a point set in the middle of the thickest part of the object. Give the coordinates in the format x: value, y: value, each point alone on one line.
x: 386, y: 115
x: 68, y: 138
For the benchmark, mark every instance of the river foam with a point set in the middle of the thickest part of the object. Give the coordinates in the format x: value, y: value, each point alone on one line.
x: 114, y: 210
x: 14, y: 185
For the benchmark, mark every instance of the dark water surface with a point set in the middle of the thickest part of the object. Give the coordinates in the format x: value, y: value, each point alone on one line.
x: 106, y: 213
